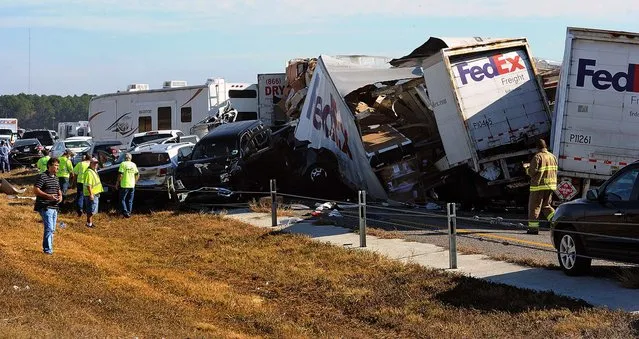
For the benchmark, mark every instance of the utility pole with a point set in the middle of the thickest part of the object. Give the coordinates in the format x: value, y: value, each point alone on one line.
x: 29, y: 85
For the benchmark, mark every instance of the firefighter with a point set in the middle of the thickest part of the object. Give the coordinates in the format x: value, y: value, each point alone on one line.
x: 543, y: 182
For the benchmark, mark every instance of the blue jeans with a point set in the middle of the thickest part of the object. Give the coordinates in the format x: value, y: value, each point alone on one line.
x: 64, y: 185
x: 4, y: 164
x: 126, y: 200
x: 91, y: 206
x: 79, y: 197
x: 49, y: 219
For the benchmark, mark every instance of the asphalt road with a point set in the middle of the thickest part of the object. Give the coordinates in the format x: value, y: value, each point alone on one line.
x: 501, y: 239
x: 497, y: 234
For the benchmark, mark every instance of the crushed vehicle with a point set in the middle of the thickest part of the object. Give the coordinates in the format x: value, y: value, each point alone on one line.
x: 232, y: 157
x: 453, y: 113
x: 25, y: 152
x: 238, y: 159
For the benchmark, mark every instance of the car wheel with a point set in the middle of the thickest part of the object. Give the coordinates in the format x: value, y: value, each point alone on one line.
x: 570, y: 253
x: 318, y: 175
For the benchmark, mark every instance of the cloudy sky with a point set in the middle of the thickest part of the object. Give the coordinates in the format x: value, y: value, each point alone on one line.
x: 100, y: 46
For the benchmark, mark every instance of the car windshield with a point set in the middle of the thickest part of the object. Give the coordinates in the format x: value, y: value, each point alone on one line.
x: 215, y: 148
x: 77, y: 144
x: 4, y: 131
x: 25, y: 142
x: 146, y: 138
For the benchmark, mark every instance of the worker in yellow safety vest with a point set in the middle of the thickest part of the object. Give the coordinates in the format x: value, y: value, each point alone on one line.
x: 543, y: 182
x: 42, y: 162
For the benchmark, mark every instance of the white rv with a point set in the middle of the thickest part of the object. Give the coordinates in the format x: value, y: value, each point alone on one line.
x: 118, y: 116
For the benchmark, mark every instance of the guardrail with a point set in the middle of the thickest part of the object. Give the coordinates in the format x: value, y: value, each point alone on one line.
x: 380, y: 213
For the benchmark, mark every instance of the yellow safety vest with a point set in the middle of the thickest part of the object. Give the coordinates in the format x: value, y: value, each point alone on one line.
x: 91, y: 179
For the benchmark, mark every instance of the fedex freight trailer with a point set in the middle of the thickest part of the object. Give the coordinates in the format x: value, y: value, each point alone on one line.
x: 490, y: 108
x: 596, y: 118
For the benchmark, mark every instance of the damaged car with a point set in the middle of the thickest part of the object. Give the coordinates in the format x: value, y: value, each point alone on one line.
x: 239, y: 159
x: 233, y: 157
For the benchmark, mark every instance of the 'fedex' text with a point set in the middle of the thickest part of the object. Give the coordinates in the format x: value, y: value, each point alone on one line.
x: 325, y: 117
x: 496, y: 65
x: 602, y: 79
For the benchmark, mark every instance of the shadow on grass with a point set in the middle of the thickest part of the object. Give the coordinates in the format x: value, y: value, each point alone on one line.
x: 21, y: 178
x: 484, y: 296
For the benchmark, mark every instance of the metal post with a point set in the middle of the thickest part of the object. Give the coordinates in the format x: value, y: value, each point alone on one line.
x: 451, y: 213
x: 273, y: 203
x: 362, y: 218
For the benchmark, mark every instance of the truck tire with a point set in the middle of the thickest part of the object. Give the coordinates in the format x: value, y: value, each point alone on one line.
x: 570, y: 253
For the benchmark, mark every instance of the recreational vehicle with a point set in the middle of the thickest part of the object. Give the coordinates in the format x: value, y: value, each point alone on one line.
x: 117, y: 116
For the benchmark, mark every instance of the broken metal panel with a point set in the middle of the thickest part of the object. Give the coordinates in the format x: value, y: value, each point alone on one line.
x: 348, y: 77
x: 433, y: 45
x: 327, y: 122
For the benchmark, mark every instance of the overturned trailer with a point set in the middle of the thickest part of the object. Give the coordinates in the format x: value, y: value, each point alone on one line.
x: 456, y: 115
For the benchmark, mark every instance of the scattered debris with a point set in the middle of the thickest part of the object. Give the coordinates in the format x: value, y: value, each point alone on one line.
x: 289, y: 221
x: 299, y: 207
x: 335, y: 214
x: 7, y: 188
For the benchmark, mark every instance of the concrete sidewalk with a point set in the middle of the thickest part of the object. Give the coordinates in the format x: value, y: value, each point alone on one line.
x: 596, y: 291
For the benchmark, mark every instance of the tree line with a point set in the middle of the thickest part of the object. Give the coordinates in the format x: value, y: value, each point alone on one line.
x: 44, y: 111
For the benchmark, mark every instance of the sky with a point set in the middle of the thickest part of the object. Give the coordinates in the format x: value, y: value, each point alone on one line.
x: 100, y: 46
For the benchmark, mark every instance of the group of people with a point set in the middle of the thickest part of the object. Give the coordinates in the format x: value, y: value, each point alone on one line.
x: 57, y: 174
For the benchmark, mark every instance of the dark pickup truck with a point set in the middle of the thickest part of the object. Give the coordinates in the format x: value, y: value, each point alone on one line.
x: 240, y: 157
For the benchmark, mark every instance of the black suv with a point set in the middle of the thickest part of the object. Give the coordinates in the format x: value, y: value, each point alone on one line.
x: 45, y: 136
x: 245, y: 155
x: 605, y: 225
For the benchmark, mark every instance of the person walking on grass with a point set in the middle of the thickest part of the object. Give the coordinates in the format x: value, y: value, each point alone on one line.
x: 4, y: 157
x: 42, y: 162
x: 92, y: 187
x: 65, y: 172
x: 78, y: 172
x: 543, y: 182
x: 48, y: 198
x: 127, y: 177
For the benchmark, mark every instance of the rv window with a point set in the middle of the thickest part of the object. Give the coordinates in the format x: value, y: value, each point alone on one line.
x: 243, y: 93
x: 164, y: 118
x: 185, y: 114
x: 144, y: 124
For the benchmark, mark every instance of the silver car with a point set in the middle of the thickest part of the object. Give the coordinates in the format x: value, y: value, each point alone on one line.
x: 157, y: 163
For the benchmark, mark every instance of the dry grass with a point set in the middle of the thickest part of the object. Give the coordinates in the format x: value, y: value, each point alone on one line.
x: 172, y: 275
x: 264, y: 205
x: 384, y: 234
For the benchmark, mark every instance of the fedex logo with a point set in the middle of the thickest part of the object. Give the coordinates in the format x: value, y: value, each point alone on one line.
x: 496, y: 65
x: 602, y: 79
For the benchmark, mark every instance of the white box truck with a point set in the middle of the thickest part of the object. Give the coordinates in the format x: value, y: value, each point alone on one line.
x: 490, y: 108
x: 270, y: 91
x: 596, y: 118
x: 8, y: 129
x: 176, y: 106
x: 73, y: 129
